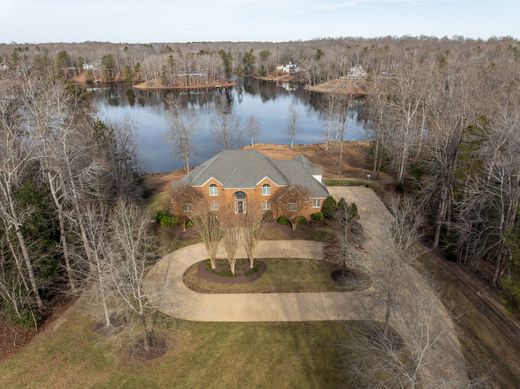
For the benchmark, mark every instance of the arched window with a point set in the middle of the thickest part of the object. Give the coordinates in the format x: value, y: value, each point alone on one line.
x: 213, y: 190
x: 266, y: 190
x: 239, y: 199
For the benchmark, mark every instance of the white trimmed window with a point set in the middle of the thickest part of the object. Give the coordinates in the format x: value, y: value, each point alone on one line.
x: 316, y: 203
x: 266, y: 190
x: 213, y: 190
x: 187, y: 207
x: 266, y: 205
x: 291, y: 207
x: 213, y: 206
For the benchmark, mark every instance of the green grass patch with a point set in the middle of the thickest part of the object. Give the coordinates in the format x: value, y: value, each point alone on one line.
x: 199, y: 355
x: 375, y: 186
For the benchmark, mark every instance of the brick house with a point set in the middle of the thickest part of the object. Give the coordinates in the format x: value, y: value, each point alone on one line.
x: 236, y: 178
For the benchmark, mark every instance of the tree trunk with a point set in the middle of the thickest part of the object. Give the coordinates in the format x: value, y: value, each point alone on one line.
x: 497, y: 270
x: 102, y: 295
x: 440, y: 220
x: 386, y: 324
x: 63, y: 236
x: 18, y: 263
x: 148, y: 334
x: 66, y: 254
x: 376, y: 156
x: 340, y: 156
x: 32, y: 278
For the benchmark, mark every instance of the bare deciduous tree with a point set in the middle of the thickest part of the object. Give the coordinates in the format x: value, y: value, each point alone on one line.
x: 253, y: 229
x: 253, y: 129
x: 400, y: 357
x: 343, y: 111
x: 292, y: 127
x: 130, y: 256
x: 232, y: 234
x: 226, y: 130
x: 15, y: 157
x: 183, y: 124
x: 331, y: 117
x: 50, y: 113
x: 209, y: 228
x: 94, y: 232
x: 404, y: 228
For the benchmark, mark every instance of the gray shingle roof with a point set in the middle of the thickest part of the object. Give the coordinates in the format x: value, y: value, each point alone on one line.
x: 245, y: 168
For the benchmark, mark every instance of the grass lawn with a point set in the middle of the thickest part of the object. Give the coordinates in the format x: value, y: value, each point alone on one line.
x: 209, y: 355
x: 375, y: 186
x: 282, y: 275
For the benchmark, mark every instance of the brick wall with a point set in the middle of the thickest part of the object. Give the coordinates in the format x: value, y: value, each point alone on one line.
x: 225, y: 197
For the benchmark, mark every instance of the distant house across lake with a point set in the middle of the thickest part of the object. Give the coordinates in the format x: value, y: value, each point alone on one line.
x: 288, y: 68
x: 357, y: 72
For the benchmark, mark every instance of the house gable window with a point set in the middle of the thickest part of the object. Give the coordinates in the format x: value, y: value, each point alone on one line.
x: 266, y: 205
x: 266, y: 190
x: 213, y: 190
x: 187, y: 207
x: 291, y: 207
x: 316, y: 203
x: 213, y: 206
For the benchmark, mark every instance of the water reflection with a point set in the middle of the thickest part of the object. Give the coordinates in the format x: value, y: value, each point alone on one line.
x: 268, y: 102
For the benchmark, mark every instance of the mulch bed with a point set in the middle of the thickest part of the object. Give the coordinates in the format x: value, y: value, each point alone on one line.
x: 137, y: 351
x: 222, y: 274
x: 12, y: 337
x: 117, y: 321
x: 350, y: 280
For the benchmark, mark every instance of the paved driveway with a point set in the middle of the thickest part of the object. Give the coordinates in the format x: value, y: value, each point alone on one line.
x: 165, y: 286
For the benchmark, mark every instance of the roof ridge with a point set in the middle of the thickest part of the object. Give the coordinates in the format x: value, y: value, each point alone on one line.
x: 271, y: 162
x: 208, y: 164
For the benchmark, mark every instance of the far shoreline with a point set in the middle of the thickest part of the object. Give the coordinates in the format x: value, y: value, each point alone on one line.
x: 154, y: 85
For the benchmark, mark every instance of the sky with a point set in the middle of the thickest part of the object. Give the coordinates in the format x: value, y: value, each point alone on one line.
x: 37, y: 21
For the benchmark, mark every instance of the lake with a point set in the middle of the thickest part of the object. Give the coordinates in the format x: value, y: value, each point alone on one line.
x: 268, y: 102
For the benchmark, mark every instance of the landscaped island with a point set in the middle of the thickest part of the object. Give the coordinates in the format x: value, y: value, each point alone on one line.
x: 270, y: 275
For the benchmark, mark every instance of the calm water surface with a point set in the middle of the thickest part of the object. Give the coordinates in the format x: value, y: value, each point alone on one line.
x: 268, y: 102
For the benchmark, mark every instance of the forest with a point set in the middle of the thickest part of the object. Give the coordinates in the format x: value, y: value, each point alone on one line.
x: 445, y: 115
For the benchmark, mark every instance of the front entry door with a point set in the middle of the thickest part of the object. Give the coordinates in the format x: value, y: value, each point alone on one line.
x: 240, y: 206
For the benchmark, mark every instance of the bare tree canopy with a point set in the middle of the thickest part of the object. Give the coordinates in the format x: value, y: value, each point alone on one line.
x: 226, y: 130
x: 253, y: 129
x: 184, y: 122
x: 292, y: 126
